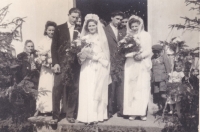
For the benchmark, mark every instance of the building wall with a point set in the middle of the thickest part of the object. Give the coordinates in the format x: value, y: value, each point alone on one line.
x: 162, y: 13
x: 37, y: 13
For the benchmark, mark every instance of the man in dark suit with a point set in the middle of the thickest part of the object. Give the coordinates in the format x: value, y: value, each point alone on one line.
x: 64, y: 34
x: 115, y: 92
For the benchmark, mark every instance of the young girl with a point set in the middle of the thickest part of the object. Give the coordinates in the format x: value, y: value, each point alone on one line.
x: 176, y: 77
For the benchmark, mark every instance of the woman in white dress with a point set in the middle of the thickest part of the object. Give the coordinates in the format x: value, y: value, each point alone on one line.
x: 94, y: 75
x: 137, y: 72
x: 44, y: 102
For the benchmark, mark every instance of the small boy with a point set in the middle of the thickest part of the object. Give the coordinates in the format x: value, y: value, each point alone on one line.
x: 160, y: 70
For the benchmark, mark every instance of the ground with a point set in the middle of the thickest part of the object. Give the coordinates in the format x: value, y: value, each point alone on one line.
x: 114, y: 123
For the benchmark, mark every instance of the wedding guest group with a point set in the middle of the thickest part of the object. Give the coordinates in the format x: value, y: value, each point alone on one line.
x: 113, y: 66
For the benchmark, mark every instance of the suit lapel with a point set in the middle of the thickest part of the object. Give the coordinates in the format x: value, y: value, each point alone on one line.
x: 66, y: 31
x: 111, y: 33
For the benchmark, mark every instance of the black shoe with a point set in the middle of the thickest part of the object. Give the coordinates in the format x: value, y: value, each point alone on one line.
x: 110, y: 115
x: 119, y: 114
x: 53, y: 121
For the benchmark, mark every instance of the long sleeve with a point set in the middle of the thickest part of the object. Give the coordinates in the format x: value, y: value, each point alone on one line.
x: 103, y: 60
x: 146, y: 44
x: 54, y: 47
x: 167, y: 63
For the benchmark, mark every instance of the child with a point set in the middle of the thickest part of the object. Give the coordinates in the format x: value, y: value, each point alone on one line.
x: 161, y: 68
x: 176, y: 77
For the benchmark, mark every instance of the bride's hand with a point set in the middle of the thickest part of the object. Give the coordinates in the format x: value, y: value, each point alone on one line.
x: 129, y: 54
x: 138, y: 57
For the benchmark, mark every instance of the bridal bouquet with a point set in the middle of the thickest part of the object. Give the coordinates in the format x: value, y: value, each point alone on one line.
x: 86, y: 48
x: 128, y: 45
x: 77, y: 46
x: 44, y: 59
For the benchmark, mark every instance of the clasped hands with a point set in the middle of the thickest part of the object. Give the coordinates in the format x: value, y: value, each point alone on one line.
x: 87, y: 53
x: 137, y: 57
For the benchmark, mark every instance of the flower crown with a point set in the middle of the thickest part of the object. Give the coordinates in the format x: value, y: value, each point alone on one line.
x: 91, y: 16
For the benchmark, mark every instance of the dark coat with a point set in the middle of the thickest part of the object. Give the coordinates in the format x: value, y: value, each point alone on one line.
x: 114, y: 54
x: 115, y: 93
x: 160, y: 68
x: 25, y: 68
x: 61, y: 37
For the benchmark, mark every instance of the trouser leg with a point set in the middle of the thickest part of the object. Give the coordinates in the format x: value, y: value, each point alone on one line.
x: 57, y: 94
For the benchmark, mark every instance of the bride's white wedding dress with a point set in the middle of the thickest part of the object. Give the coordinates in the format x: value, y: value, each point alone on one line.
x: 93, y: 85
x: 137, y: 80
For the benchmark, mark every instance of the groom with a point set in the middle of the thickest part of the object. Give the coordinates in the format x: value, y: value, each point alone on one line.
x: 115, y: 92
x: 64, y: 33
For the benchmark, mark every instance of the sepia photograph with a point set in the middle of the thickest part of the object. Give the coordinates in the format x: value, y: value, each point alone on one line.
x: 99, y: 65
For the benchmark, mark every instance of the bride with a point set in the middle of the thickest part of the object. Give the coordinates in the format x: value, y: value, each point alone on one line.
x: 94, y: 75
x: 137, y: 72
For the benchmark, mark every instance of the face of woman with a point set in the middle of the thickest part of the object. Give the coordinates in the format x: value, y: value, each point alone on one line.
x: 50, y: 31
x: 29, y: 47
x: 92, y: 27
x: 134, y: 27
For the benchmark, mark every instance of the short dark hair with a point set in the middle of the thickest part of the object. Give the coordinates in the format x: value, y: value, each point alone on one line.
x: 133, y: 20
x: 74, y: 10
x: 49, y: 23
x: 117, y: 13
x: 126, y: 16
x: 86, y: 25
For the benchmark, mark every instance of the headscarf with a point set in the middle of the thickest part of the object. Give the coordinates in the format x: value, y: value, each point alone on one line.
x: 141, y: 25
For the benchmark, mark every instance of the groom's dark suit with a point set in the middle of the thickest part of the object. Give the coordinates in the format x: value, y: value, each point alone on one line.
x: 115, y: 92
x: 69, y: 94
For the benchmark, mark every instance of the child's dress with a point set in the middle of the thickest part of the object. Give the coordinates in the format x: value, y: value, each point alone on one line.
x: 175, y: 81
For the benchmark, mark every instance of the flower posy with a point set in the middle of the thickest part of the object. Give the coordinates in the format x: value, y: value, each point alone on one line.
x: 44, y: 60
x: 128, y: 44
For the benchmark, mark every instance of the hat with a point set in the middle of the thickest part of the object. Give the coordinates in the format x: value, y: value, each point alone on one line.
x: 157, y: 47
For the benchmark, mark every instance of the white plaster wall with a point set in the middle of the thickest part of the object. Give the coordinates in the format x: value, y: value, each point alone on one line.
x: 161, y: 13
x: 37, y: 13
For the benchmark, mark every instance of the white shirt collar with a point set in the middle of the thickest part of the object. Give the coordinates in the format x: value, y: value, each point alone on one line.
x: 70, y: 25
x: 115, y: 30
x: 113, y: 26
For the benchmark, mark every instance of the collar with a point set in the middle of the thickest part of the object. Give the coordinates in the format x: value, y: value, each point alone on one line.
x: 47, y: 37
x: 70, y: 25
x: 113, y: 26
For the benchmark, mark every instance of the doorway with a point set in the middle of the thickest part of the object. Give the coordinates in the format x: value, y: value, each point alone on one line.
x: 103, y: 8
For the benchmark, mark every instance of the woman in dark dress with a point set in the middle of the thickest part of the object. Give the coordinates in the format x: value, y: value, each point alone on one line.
x: 28, y: 72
